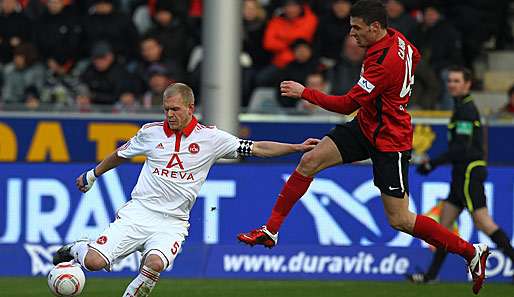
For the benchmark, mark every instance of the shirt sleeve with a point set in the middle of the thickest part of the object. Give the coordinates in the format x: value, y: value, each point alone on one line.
x: 369, y: 86
x: 226, y: 145
x: 134, y: 147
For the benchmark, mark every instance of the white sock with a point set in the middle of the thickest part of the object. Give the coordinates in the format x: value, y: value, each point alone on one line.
x: 79, y: 251
x: 143, y: 284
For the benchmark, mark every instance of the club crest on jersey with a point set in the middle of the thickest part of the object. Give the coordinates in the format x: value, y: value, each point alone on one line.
x: 194, y: 148
x: 102, y: 239
x: 366, y: 85
x: 160, y: 146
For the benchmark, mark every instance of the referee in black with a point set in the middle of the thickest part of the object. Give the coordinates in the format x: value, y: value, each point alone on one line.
x: 469, y: 172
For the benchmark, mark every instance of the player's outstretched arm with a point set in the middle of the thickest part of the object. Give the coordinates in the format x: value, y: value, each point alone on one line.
x: 340, y: 104
x: 86, y: 180
x: 266, y: 149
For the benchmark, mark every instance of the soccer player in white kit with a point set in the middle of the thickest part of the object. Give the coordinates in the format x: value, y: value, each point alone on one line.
x: 179, y: 153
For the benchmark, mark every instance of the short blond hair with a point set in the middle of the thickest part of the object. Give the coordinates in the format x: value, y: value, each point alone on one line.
x: 181, y: 89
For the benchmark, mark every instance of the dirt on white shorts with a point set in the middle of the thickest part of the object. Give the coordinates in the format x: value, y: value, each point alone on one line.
x: 137, y: 228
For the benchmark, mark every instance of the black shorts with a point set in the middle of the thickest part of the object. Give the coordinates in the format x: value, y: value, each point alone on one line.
x: 467, y: 186
x: 390, y: 169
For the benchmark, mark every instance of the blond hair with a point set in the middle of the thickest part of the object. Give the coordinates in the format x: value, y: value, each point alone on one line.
x: 181, y: 89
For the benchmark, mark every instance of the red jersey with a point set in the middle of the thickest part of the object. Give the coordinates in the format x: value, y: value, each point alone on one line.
x: 382, y: 93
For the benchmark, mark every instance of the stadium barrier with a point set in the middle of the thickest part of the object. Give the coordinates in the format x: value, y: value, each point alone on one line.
x: 53, y: 137
x: 337, y: 231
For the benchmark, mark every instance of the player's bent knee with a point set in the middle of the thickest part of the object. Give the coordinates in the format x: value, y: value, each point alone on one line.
x: 309, y: 163
x: 155, y: 263
x: 94, y: 262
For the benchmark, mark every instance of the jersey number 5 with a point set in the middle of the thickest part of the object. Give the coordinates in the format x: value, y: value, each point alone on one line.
x: 408, y: 79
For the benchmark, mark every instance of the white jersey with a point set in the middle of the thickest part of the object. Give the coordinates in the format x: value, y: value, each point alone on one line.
x: 177, y: 164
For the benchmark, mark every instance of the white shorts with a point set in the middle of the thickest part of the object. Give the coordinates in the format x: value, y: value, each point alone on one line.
x: 137, y: 228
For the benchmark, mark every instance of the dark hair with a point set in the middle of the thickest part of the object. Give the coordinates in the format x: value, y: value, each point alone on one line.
x: 28, y: 51
x: 466, y: 73
x: 299, y: 42
x: 370, y: 11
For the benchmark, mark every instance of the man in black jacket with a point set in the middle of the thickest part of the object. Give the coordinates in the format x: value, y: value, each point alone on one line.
x: 469, y: 172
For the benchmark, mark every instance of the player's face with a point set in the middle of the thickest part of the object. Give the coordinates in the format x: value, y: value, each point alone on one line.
x: 177, y: 112
x: 457, y: 86
x: 363, y: 33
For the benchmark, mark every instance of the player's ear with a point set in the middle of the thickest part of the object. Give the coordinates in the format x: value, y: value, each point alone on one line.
x: 375, y: 27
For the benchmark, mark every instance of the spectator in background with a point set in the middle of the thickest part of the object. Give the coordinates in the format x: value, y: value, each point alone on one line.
x: 103, y: 23
x: 152, y: 53
x: 128, y: 103
x: 315, y: 81
x: 170, y: 28
x: 14, y: 29
x: 61, y: 80
x: 83, y: 99
x: 440, y: 46
x: 399, y: 19
x: 106, y: 78
x: 31, y: 99
x: 158, y: 81
x: 23, y: 72
x: 304, y: 63
x: 58, y: 31
x: 254, y: 23
x: 345, y: 74
x: 333, y: 29
x: 426, y: 92
x: 296, y: 21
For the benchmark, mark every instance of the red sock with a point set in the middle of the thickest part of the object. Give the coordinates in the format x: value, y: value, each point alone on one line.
x: 435, y: 234
x: 293, y: 190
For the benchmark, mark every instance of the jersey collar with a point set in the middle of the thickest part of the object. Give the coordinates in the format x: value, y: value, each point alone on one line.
x: 186, y: 131
x: 385, y: 42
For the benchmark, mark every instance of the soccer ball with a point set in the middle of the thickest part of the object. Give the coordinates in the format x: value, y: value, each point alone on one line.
x: 66, y: 279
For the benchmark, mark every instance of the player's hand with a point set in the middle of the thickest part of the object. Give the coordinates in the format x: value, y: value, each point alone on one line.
x: 86, y: 180
x: 425, y: 168
x: 291, y: 89
x: 308, y: 144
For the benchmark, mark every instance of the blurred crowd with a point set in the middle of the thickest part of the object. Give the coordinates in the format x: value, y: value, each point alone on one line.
x: 119, y: 56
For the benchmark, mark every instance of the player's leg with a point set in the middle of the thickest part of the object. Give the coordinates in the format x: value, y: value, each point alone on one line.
x: 160, y: 251
x: 344, y: 142
x: 112, y: 243
x: 391, y: 170
x: 449, y: 213
x: 148, y: 276
x: 324, y: 155
x: 390, y: 175
x: 430, y: 231
x: 81, y: 253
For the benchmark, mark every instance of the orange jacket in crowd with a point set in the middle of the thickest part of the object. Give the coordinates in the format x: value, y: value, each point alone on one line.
x: 281, y: 33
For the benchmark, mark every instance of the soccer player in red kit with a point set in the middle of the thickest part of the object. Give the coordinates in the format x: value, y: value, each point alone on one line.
x: 381, y: 131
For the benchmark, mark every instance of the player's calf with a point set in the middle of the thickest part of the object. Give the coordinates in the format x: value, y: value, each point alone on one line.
x: 148, y: 276
x: 143, y: 284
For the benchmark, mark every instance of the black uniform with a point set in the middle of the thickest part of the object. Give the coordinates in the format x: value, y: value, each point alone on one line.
x: 466, y: 153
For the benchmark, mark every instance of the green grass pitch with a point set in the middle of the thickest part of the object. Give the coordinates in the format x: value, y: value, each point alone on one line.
x: 95, y: 287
